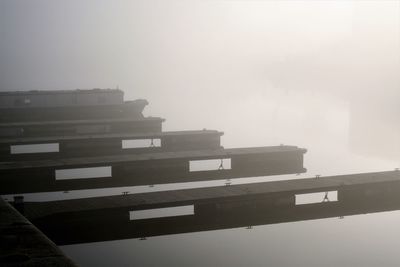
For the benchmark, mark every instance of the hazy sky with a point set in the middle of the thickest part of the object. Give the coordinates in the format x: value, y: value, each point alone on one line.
x: 151, y: 47
x: 215, y: 59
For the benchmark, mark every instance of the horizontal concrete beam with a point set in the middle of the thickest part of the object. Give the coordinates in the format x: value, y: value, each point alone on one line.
x: 146, y: 169
x: 34, y: 148
x: 131, y: 109
x: 73, y: 127
x: 214, y: 208
x: 220, y: 194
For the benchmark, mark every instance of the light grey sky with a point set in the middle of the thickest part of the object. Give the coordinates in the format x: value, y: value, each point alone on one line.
x: 153, y: 47
x: 224, y: 63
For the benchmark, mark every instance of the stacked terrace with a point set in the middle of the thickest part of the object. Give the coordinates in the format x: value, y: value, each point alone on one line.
x: 87, y: 139
x: 84, y: 139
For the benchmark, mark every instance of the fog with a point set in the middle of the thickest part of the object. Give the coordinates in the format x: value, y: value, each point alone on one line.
x: 256, y: 69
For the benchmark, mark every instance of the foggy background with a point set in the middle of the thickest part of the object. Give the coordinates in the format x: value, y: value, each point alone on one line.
x: 267, y: 72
